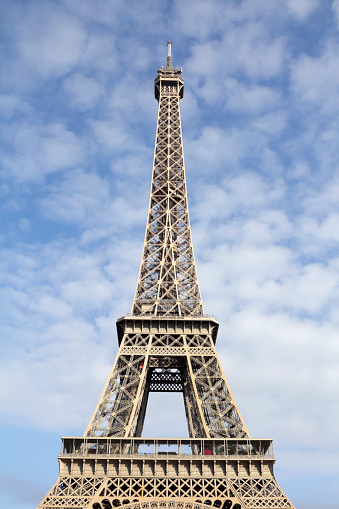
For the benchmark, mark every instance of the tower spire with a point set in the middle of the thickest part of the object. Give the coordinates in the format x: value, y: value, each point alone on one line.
x: 168, y: 282
x: 169, y: 55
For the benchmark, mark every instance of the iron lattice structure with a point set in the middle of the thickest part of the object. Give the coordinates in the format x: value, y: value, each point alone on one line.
x: 168, y: 282
x: 167, y: 344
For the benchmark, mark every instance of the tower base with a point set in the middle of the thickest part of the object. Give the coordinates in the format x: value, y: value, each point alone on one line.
x: 149, y: 473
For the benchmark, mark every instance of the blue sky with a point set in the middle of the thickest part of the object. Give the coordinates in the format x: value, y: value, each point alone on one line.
x: 261, y: 128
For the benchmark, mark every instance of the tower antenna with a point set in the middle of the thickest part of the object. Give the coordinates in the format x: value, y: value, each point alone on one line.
x: 169, y: 54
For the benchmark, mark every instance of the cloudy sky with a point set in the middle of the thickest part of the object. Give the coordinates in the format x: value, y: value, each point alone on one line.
x: 261, y: 130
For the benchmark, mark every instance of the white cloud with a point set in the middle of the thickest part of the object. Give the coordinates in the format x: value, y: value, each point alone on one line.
x: 138, y: 103
x: 250, y: 99
x: 50, y: 40
x: 50, y: 306
x: 250, y: 54
x: 78, y: 197
x: 287, y: 349
x: 59, y: 148
x: 215, y: 149
x: 203, y: 20
x: 84, y: 91
x: 110, y: 134
x: 335, y: 7
x: 199, y: 18
x: 24, y: 224
x: 93, y: 293
x: 302, y: 8
x: 10, y: 104
x: 255, y: 56
x: 315, y: 80
x: 236, y: 199
x: 272, y: 123
x: 39, y: 150
x: 64, y: 300
x: 100, y: 53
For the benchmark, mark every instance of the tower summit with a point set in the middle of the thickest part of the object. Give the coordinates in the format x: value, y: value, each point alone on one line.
x: 167, y: 282
x: 167, y: 344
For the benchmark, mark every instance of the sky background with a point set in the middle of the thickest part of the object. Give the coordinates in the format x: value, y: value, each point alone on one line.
x: 260, y: 120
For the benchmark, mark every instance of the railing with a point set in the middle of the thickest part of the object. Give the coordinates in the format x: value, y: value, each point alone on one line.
x: 174, y: 316
x: 166, y: 447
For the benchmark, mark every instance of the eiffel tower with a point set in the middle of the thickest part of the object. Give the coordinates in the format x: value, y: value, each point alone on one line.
x: 167, y: 344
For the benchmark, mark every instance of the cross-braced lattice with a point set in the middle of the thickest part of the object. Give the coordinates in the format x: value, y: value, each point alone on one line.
x: 168, y: 283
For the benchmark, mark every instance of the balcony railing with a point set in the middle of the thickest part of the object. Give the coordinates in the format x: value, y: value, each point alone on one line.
x: 172, y: 315
x: 166, y: 447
